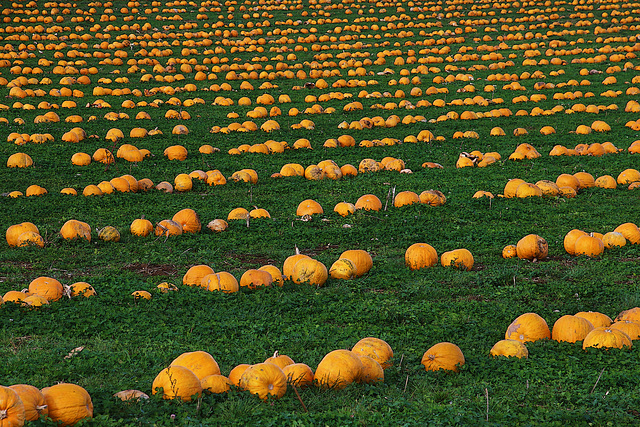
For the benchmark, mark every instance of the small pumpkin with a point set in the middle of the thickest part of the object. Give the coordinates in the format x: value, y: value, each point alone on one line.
x: 299, y: 375
x: 109, y: 234
x: 254, y: 278
x: 444, y: 355
x: 131, y: 395
x: 280, y: 360
x: 510, y: 348
x: 141, y: 227
x: 216, y: 384
x: 509, y: 251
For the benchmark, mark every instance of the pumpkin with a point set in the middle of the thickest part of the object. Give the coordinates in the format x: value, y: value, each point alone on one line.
x: 444, y: 355
x: 629, y: 327
x: 298, y: 374
x: 597, y: 319
x: 311, y: 271
x: 177, y: 382
x: 217, y: 225
x: 165, y: 287
x: 511, y: 187
x: 19, y: 160
x: 46, y: 287
x: 404, y: 198
x: 216, y: 384
x: 81, y: 288
x: 189, y: 220
x: 372, y: 372
x: 201, y: 363
x: 254, y: 278
x: 14, y: 296
x: 164, y: 186
x: 236, y: 373
x: 420, y: 255
x: 571, y: 328
x: 14, y: 231
x: 613, y: 239
x: 369, y: 202
x: 360, y: 259
x: 168, y: 227
x: 344, y: 208
x: 532, y: 247
x: 309, y: 207
x: 343, y: 269
x: 12, y: 410
x: 607, y: 337
x: 194, y: 275
x: 458, y: 258
x: 109, y: 234
x: 183, y: 182
x: 509, y: 251
x: 264, y: 379
x: 74, y: 229
x: 222, y: 281
x: 628, y: 176
x: 275, y: 273
x: 570, y: 240
x: 35, y: 300
x: 33, y: 401
x: 238, y: 213
x: 376, y: 349
x: 510, y: 348
x: 280, y: 360
x: 566, y: 180
x: 632, y: 314
x: 131, y: 395
x: 289, y: 263
x: 589, y: 245
x: 338, y: 369
x: 141, y: 227
x: 138, y: 295
x: 528, y: 327
x: 35, y: 190
x: 175, y: 152
x: 68, y: 403
x: 630, y: 231
x: 548, y: 188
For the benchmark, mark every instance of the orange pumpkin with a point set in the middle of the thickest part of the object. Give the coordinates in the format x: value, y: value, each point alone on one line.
x: 379, y: 350
x: 177, y: 382
x: 510, y: 348
x: 201, y: 363
x: 338, y: 369
x: 33, y: 401
x: 444, y: 355
x: 298, y: 374
x: 12, y: 410
x: 68, y: 403
x: 528, y: 327
x: 420, y: 255
x: 571, y: 328
x: 264, y: 379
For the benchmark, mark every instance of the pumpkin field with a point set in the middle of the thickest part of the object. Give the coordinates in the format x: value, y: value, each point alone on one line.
x: 292, y: 213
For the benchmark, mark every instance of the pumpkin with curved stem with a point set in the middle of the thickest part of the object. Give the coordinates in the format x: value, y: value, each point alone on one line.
x: 201, y: 363
x: 177, y: 382
x: 597, y: 319
x: 254, y: 278
x: 510, y: 348
x: 444, y: 355
x: 12, y: 410
x: 420, y: 255
x: 458, y: 258
x: 68, y: 403
x: 193, y: 276
x: 532, y: 247
x: 528, y: 327
x: 338, y: 369
x: 299, y: 375
x: 264, y: 379
x: 607, y: 337
x: 377, y: 349
x: 33, y: 401
x: 571, y: 328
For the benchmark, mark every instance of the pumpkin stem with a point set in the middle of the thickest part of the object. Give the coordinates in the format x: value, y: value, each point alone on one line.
x: 66, y: 291
x: 297, y: 250
x: 275, y: 354
x: 41, y: 408
x: 3, y: 414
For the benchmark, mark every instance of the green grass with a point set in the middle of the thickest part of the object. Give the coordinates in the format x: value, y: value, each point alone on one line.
x: 127, y: 342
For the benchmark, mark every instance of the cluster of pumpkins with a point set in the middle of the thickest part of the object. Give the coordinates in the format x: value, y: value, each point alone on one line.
x: 42, y: 290
x: 577, y: 242
x: 594, y: 329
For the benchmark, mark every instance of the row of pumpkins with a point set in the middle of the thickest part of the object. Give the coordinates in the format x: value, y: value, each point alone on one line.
x: 192, y: 373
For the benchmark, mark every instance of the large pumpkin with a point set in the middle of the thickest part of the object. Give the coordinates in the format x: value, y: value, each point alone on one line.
x: 12, y: 412
x: 607, y: 337
x: 532, y: 247
x: 68, y: 403
x: 189, y: 220
x: 528, y: 327
x: 200, y: 363
x: 571, y: 328
x: 14, y: 231
x: 458, y: 258
x: 177, y: 382
x: 193, y: 276
x: 510, y: 348
x: 311, y: 271
x: 264, y: 379
x: 420, y: 255
x: 360, y: 259
x: 444, y: 355
x: 596, y: 318
x: 377, y: 349
x: 338, y: 369
x: 74, y: 229
x: 33, y: 401
x: 46, y: 287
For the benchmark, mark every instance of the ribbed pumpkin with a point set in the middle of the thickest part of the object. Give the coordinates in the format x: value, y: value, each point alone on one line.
x: 607, y: 337
x: 177, y: 382
x: 458, y: 258
x: 510, y: 251
x: 528, y: 327
x: 201, y: 363
x: 571, y: 328
x: 379, y: 350
x: 68, y: 403
x: 33, y: 401
x: 264, y: 379
x: 444, y: 355
x: 109, y: 234
x: 420, y: 255
x: 254, y: 278
x: 532, y: 247
x: 630, y: 231
x: 189, y: 220
x: 221, y: 281
x: 338, y: 369
x: 596, y: 318
x: 141, y: 227
x: 510, y: 348
x: 12, y: 410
